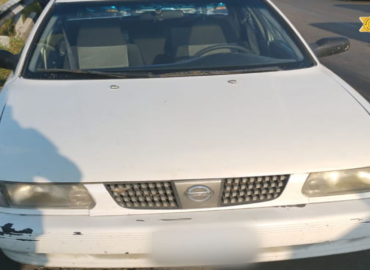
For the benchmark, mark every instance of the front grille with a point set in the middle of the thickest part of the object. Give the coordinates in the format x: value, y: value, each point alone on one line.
x: 162, y: 195
x: 252, y: 189
x: 153, y: 195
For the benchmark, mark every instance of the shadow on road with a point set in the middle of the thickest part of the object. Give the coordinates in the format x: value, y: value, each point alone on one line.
x: 348, y: 29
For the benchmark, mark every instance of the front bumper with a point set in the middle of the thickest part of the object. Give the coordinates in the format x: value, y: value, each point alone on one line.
x: 125, y: 241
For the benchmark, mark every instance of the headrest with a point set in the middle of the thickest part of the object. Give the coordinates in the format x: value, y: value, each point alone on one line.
x: 101, y: 44
x: 104, y: 32
x: 206, y: 33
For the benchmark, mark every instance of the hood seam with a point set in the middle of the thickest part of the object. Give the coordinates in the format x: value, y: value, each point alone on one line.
x: 2, y: 111
x: 359, y: 102
x: 337, y: 79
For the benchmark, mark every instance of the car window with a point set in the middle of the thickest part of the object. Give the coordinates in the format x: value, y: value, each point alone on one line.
x: 162, y: 37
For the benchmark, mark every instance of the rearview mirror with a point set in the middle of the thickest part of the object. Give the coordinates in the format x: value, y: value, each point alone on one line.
x: 8, y: 60
x: 330, y: 46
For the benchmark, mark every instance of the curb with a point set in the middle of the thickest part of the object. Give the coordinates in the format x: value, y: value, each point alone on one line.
x: 8, y: 5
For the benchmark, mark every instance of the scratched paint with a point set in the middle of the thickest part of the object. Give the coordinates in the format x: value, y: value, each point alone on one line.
x: 10, y: 231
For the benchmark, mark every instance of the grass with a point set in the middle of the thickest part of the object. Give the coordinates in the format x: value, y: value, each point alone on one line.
x: 8, y: 28
x: 16, y: 45
x: 33, y: 7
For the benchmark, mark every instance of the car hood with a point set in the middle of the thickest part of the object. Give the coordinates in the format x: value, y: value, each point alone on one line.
x: 181, y: 128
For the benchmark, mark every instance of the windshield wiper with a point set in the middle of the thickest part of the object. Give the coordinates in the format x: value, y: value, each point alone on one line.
x: 123, y: 75
x: 219, y: 72
x: 131, y: 74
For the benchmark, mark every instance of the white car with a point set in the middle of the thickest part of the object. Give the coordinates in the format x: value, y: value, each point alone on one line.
x: 138, y: 134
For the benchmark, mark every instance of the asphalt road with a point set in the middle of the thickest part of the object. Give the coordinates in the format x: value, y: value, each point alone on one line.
x: 316, y: 19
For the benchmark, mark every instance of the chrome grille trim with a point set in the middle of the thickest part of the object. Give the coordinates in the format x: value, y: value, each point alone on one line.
x: 144, y: 195
x: 246, y: 190
x: 164, y: 195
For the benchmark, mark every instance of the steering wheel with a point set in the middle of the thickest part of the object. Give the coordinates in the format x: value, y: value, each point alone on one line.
x: 46, y: 46
x: 220, y: 46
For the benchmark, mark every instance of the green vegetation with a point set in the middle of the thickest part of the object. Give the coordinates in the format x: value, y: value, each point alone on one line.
x: 33, y: 7
x: 7, y: 29
x: 16, y: 45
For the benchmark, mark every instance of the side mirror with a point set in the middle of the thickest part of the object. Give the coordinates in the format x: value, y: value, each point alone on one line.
x: 330, y: 46
x: 8, y: 60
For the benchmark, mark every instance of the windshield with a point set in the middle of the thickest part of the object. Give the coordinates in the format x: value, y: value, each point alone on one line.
x: 162, y: 38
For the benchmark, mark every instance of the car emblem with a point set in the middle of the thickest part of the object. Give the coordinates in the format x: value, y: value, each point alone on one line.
x: 199, y: 193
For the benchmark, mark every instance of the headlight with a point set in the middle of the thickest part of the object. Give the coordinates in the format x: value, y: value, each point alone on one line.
x: 337, y: 183
x: 33, y: 195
